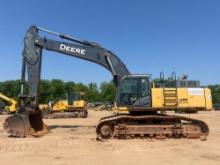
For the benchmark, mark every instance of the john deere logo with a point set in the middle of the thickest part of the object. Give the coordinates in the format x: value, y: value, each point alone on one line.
x: 67, y: 48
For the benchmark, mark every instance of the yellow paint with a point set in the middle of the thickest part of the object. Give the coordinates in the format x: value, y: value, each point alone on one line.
x: 120, y: 110
x: 60, y: 105
x: 208, y: 97
x: 12, y: 104
x: 187, y: 98
x: 79, y: 104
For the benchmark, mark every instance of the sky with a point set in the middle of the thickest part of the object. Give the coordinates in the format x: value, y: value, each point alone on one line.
x: 149, y: 36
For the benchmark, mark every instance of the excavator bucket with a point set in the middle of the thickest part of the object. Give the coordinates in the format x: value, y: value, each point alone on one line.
x: 23, y: 125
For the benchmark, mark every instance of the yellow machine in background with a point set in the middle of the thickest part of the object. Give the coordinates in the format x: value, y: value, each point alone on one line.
x: 11, y: 105
x: 75, y: 103
x: 74, y: 106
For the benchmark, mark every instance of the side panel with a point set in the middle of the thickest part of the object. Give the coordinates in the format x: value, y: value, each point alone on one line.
x: 196, y: 97
x: 187, y: 98
x: 208, y: 97
x: 157, y: 97
x: 60, y: 105
x: 183, y: 98
x: 79, y: 104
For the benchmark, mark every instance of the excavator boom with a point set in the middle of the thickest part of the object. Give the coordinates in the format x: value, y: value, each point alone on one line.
x: 28, y: 115
x: 32, y: 55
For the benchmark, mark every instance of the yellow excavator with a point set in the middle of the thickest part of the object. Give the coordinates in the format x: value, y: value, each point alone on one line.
x: 73, y: 106
x: 138, y: 103
x: 11, y: 105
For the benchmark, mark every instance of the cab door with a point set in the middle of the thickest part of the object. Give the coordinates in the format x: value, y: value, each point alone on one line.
x: 134, y: 91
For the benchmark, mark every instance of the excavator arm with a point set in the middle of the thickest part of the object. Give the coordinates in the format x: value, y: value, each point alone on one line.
x: 90, y: 51
x: 28, y: 119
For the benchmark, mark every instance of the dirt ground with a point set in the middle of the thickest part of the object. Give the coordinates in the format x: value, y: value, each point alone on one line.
x: 73, y: 142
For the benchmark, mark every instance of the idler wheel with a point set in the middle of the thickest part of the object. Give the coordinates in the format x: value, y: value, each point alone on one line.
x: 106, y: 131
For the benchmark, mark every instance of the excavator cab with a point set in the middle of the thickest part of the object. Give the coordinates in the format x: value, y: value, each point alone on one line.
x: 134, y: 90
x: 77, y: 103
x: 75, y: 96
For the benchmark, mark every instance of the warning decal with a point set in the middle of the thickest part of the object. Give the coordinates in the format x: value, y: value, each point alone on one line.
x: 195, y: 91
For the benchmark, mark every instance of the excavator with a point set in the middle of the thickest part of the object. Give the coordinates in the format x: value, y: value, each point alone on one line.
x: 11, y: 105
x: 139, y: 104
x: 73, y: 106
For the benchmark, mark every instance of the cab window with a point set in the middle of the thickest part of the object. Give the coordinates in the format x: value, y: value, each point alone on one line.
x: 134, y: 91
x: 129, y: 91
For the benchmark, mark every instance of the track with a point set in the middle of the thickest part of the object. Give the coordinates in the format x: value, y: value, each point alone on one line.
x: 69, y: 114
x: 151, y: 126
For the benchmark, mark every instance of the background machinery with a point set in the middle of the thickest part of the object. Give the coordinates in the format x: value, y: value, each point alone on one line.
x: 73, y: 106
x: 100, y: 106
x: 138, y: 103
x: 10, y: 105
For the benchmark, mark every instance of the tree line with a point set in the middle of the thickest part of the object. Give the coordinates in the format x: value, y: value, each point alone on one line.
x: 52, y: 90
x: 215, y: 94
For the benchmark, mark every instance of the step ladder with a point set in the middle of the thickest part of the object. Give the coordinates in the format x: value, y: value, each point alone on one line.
x: 170, y: 97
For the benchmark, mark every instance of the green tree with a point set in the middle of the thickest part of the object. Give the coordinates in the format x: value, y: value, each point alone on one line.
x: 80, y: 87
x: 57, y: 90
x: 92, y: 93
x: 45, y: 91
x: 107, y: 91
x: 69, y: 86
x: 215, y: 89
x: 10, y: 88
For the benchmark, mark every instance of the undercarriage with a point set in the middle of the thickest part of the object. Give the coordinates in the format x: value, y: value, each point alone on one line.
x: 151, y: 126
x: 71, y: 113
